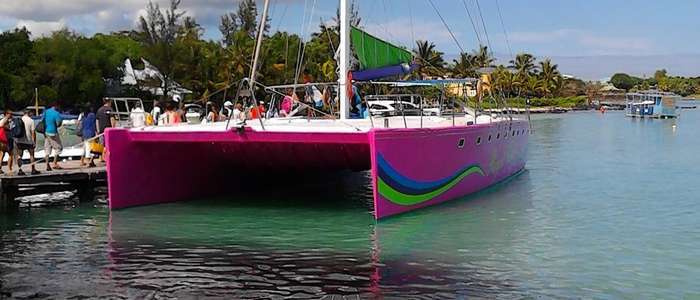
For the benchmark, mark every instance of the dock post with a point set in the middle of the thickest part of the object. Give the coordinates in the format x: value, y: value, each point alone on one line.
x: 86, y: 191
x: 8, y: 202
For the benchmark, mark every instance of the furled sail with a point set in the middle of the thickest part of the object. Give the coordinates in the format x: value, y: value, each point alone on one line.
x: 378, y: 58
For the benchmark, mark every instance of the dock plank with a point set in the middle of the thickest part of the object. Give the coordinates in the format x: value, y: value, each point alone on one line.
x: 73, y: 176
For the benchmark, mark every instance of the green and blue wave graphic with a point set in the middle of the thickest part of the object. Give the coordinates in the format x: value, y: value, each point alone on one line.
x: 402, y: 190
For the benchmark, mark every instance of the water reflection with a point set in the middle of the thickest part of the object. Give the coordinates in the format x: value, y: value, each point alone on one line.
x: 303, y: 250
x: 606, y: 209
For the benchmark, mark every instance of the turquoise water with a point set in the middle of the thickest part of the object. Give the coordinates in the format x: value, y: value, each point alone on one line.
x: 607, y: 208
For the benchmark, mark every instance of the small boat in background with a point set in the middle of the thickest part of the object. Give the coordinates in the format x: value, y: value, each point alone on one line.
x: 652, y: 104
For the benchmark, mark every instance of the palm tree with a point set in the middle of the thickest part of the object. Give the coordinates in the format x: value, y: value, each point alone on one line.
x: 524, y: 63
x: 503, y: 80
x: 483, y: 57
x: 430, y: 60
x: 524, y: 67
x: 532, y: 85
x: 465, y: 66
x: 549, y: 75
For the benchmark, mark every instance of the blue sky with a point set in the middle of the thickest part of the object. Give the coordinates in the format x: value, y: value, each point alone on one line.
x: 543, y: 27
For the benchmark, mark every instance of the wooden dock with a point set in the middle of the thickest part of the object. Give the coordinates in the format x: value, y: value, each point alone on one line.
x: 72, y: 178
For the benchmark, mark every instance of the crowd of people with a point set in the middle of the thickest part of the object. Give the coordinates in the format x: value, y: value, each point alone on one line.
x: 19, y: 131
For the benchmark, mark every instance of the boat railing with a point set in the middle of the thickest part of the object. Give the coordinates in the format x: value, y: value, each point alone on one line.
x: 320, y: 100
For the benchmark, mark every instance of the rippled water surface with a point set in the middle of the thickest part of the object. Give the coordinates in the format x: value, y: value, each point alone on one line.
x: 607, y: 208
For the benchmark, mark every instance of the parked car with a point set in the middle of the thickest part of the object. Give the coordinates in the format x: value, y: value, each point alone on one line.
x: 392, y: 108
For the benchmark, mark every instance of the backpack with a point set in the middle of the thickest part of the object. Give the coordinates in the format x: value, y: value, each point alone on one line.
x: 79, y: 129
x: 17, y: 128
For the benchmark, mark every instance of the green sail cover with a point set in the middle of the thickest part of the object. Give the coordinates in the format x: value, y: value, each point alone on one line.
x: 374, y: 53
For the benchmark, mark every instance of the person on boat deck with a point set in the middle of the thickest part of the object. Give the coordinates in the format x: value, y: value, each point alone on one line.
x: 156, y: 112
x: 171, y: 115
x: 212, y: 115
x: 287, y: 102
x: 357, y: 107
x: 89, y: 131
x: 228, y: 109
x: 52, y: 140
x: 26, y: 142
x: 238, y: 114
x: 5, y: 140
x: 256, y: 112
x: 137, y: 116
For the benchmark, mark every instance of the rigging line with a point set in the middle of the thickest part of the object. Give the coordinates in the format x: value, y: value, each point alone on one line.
x: 446, y: 26
x: 410, y: 14
x: 284, y: 14
x: 469, y: 14
x: 301, y: 43
x: 303, y: 50
x: 488, y: 41
x: 505, y: 32
x: 330, y: 39
x: 483, y: 24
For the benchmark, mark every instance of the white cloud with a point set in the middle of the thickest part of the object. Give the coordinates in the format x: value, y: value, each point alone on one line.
x: 403, y: 33
x: 592, y: 42
x: 90, y: 16
x: 40, y: 28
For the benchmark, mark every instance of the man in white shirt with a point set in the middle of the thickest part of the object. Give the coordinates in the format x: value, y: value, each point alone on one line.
x: 156, y: 113
x: 27, y: 142
x: 138, y: 116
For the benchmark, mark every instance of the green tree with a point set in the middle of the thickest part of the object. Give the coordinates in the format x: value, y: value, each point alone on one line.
x: 550, y: 78
x: 430, y: 59
x: 624, y: 81
x: 483, y: 57
x: 16, y: 50
x: 158, y: 32
x: 465, y: 66
x: 228, y: 26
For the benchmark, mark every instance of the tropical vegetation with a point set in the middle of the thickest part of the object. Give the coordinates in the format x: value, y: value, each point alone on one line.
x: 75, y: 69
x: 683, y: 86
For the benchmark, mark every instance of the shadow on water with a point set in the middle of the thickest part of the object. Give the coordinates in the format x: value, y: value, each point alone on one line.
x: 283, y: 240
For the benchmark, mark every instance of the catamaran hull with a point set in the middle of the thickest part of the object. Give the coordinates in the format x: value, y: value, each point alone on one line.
x: 411, y: 168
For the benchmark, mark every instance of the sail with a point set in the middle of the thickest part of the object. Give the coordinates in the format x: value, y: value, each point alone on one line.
x: 374, y: 53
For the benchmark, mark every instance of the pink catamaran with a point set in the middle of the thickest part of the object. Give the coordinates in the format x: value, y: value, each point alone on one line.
x: 415, y: 161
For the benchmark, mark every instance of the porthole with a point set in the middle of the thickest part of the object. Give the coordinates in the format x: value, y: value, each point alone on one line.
x: 461, y: 143
x: 489, y: 137
x: 513, y: 134
x: 498, y: 136
x: 478, y: 140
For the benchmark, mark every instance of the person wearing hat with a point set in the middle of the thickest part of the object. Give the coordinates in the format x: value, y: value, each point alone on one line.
x: 228, y: 109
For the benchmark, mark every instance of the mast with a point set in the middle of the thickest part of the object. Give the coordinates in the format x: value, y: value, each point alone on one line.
x: 258, y: 45
x: 344, y: 61
x: 36, y: 101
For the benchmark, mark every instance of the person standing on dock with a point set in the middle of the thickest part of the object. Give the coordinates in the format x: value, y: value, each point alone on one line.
x: 88, y: 133
x: 7, y: 124
x: 4, y: 142
x: 26, y: 142
x: 105, y: 120
x: 52, y: 141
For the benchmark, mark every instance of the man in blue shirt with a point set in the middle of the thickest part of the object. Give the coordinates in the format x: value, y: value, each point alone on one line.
x: 52, y: 121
